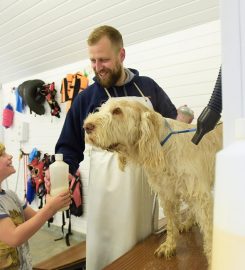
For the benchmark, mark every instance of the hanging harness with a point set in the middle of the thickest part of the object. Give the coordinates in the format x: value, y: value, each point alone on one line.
x: 37, y: 175
x: 49, y: 91
x: 37, y: 167
x: 76, y: 207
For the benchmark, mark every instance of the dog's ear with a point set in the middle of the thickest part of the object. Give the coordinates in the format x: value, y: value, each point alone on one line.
x: 150, y: 126
x: 149, y: 135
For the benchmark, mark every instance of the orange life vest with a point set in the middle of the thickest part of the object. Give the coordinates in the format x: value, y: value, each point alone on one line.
x: 71, y: 85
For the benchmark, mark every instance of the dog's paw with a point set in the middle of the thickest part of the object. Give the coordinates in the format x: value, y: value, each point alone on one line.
x: 165, y: 250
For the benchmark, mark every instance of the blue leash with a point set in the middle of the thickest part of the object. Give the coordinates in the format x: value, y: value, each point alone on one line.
x: 174, y: 132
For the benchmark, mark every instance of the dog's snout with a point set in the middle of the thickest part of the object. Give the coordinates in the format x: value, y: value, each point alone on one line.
x: 89, y: 127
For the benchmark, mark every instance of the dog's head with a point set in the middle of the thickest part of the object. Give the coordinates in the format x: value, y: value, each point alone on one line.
x: 121, y: 126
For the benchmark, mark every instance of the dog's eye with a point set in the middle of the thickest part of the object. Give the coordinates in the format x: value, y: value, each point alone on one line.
x: 117, y: 111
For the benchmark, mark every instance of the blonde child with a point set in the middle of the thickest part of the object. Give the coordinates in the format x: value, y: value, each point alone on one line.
x: 18, y: 221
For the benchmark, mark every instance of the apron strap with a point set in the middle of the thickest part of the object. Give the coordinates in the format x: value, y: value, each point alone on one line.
x: 137, y: 87
x: 107, y: 92
x: 140, y: 91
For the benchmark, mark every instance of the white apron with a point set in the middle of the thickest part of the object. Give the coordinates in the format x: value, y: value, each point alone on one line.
x: 119, y: 206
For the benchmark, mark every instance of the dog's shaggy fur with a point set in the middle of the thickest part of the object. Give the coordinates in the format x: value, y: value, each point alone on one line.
x: 178, y: 171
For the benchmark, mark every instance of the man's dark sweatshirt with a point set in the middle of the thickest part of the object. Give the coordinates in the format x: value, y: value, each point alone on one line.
x: 71, y: 141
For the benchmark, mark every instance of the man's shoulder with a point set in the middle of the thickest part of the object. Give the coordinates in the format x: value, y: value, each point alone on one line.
x: 145, y: 81
x: 90, y: 88
x: 144, y: 78
x: 89, y: 91
x: 89, y: 98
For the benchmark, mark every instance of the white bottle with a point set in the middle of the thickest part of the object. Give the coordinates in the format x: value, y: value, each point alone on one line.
x: 59, y: 172
x: 228, y: 249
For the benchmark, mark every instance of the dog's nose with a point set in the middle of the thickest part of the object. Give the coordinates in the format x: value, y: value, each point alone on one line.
x: 89, y: 127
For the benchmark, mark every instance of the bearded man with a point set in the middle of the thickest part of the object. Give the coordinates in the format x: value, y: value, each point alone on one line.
x: 119, y: 204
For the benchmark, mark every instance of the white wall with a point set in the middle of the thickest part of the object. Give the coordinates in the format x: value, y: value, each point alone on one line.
x: 1, y: 106
x: 233, y: 57
x: 185, y: 64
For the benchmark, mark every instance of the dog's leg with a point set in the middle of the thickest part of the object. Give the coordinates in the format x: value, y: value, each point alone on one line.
x: 168, y: 248
x: 184, y: 218
x: 187, y: 219
x: 204, y: 216
x: 187, y: 222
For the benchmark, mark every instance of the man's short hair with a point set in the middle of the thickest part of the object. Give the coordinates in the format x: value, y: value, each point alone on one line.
x: 106, y: 31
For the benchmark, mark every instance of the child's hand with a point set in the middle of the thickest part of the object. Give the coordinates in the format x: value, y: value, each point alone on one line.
x: 55, y: 203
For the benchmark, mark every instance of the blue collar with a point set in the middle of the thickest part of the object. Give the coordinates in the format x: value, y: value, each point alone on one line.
x: 174, y: 132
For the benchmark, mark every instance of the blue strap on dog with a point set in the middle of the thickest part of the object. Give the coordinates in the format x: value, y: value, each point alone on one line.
x: 174, y: 132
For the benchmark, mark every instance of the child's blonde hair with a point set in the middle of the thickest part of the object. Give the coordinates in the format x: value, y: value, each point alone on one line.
x: 2, y: 149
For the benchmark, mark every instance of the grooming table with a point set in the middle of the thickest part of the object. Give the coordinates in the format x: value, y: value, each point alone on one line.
x: 70, y: 259
x: 189, y: 254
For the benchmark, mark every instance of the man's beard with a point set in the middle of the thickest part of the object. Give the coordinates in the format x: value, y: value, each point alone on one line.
x: 112, y: 77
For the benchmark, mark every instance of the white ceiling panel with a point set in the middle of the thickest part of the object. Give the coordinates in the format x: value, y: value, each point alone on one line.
x: 31, y: 19
x: 38, y: 35
x: 16, y: 9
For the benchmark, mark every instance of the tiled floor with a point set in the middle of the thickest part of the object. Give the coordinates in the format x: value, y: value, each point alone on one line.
x: 43, y: 244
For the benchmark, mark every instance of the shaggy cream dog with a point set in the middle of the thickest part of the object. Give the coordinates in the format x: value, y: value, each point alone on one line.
x: 178, y: 171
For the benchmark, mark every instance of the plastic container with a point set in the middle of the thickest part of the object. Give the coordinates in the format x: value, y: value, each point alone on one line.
x: 59, y: 172
x: 229, y: 204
